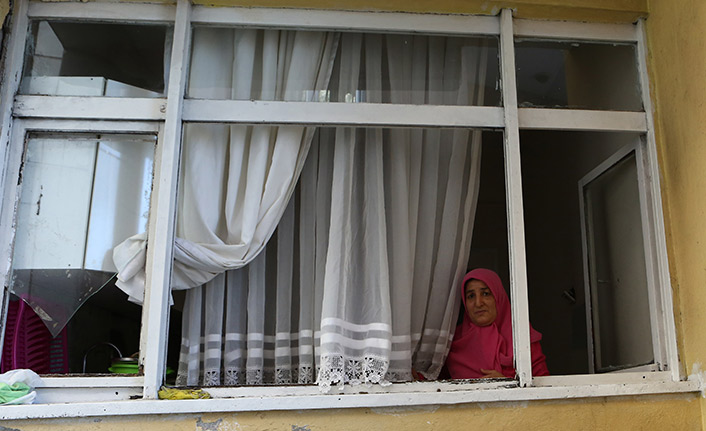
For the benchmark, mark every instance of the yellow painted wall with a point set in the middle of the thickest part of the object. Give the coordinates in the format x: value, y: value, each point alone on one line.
x: 676, y: 31
x: 645, y: 413
x: 4, y: 10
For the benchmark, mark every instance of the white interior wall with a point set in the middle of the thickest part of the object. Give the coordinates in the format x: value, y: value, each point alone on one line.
x: 51, y: 223
x: 121, y: 191
x: 64, y: 183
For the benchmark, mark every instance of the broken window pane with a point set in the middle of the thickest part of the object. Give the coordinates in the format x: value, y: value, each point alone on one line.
x: 95, y: 59
x: 80, y: 196
x: 577, y: 75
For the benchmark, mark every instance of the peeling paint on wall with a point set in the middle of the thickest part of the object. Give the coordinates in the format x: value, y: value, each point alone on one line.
x: 401, y: 411
x: 208, y: 426
x: 669, y: 411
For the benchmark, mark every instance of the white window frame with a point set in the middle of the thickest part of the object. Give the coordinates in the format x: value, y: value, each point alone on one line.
x: 104, y: 388
x: 637, y: 147
x: 22, y: 113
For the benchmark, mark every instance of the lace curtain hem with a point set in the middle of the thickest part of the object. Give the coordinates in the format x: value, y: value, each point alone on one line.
x: 232, y: 376
x: 336, y: 371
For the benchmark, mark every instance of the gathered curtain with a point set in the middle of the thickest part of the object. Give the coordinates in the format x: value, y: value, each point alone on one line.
x: 260, y: 323
x: 235, y: 181
x: 357, y: 284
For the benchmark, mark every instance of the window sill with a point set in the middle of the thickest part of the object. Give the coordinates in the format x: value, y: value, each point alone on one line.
x: 309, y: 397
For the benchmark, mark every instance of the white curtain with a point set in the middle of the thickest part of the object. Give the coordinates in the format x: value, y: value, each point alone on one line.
x: 260, y: 324
x: 389, y: 295
x: 358, y: 283
x: 236, y: 180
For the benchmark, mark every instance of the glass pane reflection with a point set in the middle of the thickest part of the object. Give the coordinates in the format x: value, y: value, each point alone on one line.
x: 617, y: 271
x: 95, y: 59
x: 577, y: 75
x: 249, y: 64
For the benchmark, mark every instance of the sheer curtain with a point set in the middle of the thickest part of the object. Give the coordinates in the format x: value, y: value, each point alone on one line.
x: 260, y: 324
x: 358, y: 282
x: 236, y: 180
x: 391, y: 274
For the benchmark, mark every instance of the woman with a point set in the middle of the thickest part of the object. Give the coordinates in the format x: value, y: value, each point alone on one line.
x: 482, y: 345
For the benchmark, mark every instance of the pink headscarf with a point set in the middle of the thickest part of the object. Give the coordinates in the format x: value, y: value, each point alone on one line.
x: 487, y: 347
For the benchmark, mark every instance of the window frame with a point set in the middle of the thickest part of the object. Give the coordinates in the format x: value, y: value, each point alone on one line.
x: 103, y: 387
x: 21, y: 113
x: 645, y: 202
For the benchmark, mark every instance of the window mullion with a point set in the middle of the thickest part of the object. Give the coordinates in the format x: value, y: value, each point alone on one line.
x: 12, y: 73
x: 9, y: 193
x: 654, y: 302
x: 343, y: 114
x: 516, y: 227
x: 135, y: 12
x: 581, y: 119
x: 337, y: 20
x: 89, y: 107
x: 153, y: 340
x: 666, y: 320
x: 11, y: 81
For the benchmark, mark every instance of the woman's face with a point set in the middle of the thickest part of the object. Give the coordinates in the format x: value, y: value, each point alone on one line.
x: 480, y: 303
